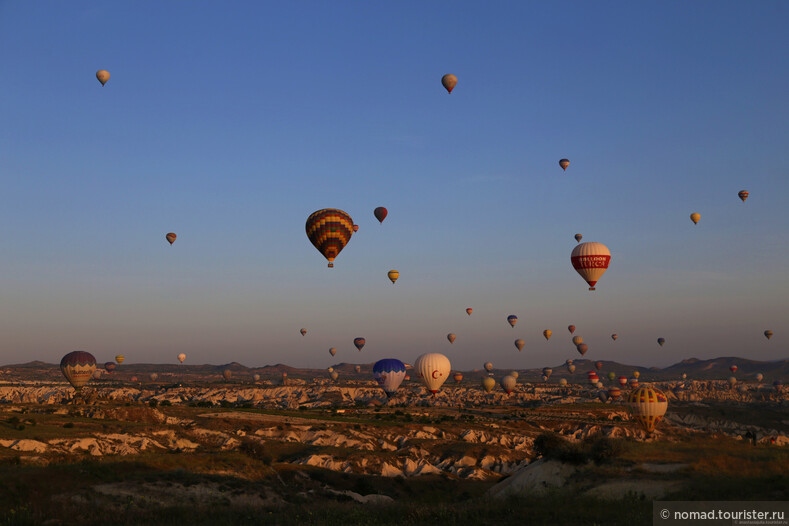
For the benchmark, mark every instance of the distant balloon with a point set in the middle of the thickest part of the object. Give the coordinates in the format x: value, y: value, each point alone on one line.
x: 614, y: 337
x: 564, y: 163
x: 133, y: 378
x: 389, y: 374
x: 433, y: 369
x: 743, y: 194
x: 578, y: 237
x: 733, y: 368
x: 120, y: 358
x: 357, y: 368
x: 393, y: 275
x: 181, y: 357
x: 256, y: 377
x: 563, y: 382
x: 568, y: 362
x: 469, y: 311
x: 332, y: 351
x: 623, y: 381
x: 508, y: 384
x: 170, y: 238
x: 684, y: 375
x: 512, y: 320
x: 103, y: 75
x: 334, y: 375
x: 612, y: 376
x: 577, y: 340
x: 593, y: 378
x: 449, y: 82
x: 359, y: 343
x: 227, y: 374
x: 329, y: 230
x: 488, y: 366
x: 759, y: 377
x: 547, y: 371
x: 451, y: 337
x: 153, y: 376
x: 78, y: 368
x: 458, y: 377
x: 590, y: 260
x: 582, y: 348
x: 661, y: 341
x: 636, y: 374
x: 571, y: 328
x: 695, y: 218
x: 519, y: 344
x: 633, y: 382
x: 303, y: 331
x: 109, y: 366
x: 514, y: 374
x: 571, y: 368
x: 547, y: 333
x: 732, y: 380
x: 355, y: 228
x: 614, y: 393
x: 602, y: 396
x: 768, y: 334
x: 598, y: 365
x: 380, y: 213
x: 97, y: 374
x: 488, y: 384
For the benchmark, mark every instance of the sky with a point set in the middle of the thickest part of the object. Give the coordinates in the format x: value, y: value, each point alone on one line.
x: 229, y: 123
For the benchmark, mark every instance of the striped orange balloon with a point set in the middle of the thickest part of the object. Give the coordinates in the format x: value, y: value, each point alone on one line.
x: 329, y: 230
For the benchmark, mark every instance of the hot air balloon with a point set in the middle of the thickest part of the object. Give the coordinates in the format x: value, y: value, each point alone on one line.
x: 602, y: 396
x: 133, y: 378
x: 695, y: 218
x: 547, y: 333
x: 330, y: 369
x: 433, y: 369
x: 256, y: 377
x: 488, y: 366
x: 227, y: 374
x: 563, y: 382
x: 359, y: 343
x: 568, y: 362
x: 393, y: 275
x: 564, y: 163
x: 732, y: 381
x: 623, y: 381
x: 469, y: 311
x: 733, y: 368
x: 355, y: 228
x: 380, y: 213
x: 612, y: 376
x: 332, y: 351
x: 334, y: 375
x: 661, y: 341
x: 519, y: 344
x: 389, y: 374
x: 512, y: 320
x: 768, y: 334
x: 119, y: 358
x: 614, y: 393
x: 571, y: 368
x: 170, y: 238
x: 358, y: 369
x: 633, y: 382
x: 571, y: 328
x: 109, y: 366
x: 582, y: 348
x: 648, y: 405
x: 590, y: 260
x: 743, y: 194
x: 458, y: 377
x: 78, y: 367
x: 329, y: 230
x: 97, y: 374
x: 598, y: 365
x: 636, y: 374
x: 303, y: 331
x: 514, y: 374
x: 547, y: 371
x: 451, y: 337
x: 181, y: 357
x: 153, y: 376
x: 577, y: 340
x: 508, y: 383
x: 759, y: 377
x: 684, y: 375
x: 449, y: 82
x: 578, y: 237
x: 103, y: 75
x: 488, y: 384
x: 614, y: 337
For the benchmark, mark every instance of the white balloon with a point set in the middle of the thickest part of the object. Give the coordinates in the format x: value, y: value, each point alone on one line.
x: 433, y: 369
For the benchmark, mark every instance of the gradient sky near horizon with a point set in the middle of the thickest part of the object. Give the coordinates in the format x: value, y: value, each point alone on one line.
x: 230, y: 122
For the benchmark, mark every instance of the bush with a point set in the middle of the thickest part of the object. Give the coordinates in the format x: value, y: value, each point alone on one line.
x: 68, y: 425
x: 153, y: 403
x: 14, y: 420
x: 604, y: 449
x: 554, y: 446
x: 547, y: 442
x: 166, y: 403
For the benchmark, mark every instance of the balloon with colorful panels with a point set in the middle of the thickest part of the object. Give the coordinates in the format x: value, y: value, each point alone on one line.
x: 547, y: 334
x: 733, y: 368
x: 564, y: 163
x: 388, y: 374
x: 590, y: 260
x: 512, y: 320
x: 661, y: 341
x: 329, y: 230
x: 109, y: 366
x: 598, y: 365
x: 393, y: 275
x: 578, y: 238
x: 303, y: 331
x: 743, y: 195
x: 768, y: 334
x: 78, y: 368
x: 170, y: 238
x: 119, y: 358
x: 469, y: 311
x: 458, y: 377
x: 359, y: 343
x: 614, y: 337
x: 636, y: 374
x: 488, y: 366
x: 614, y: 393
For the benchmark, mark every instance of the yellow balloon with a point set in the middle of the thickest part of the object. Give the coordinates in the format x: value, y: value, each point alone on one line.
x: 695, y: 218
x: 547, y: 333
x: 103, y: 75
x: 120, y: 359
x: 393, y: 275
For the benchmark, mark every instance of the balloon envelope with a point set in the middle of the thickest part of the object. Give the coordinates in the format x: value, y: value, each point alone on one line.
x: 332, y: 351
x: 109, y: 366
x: 393, y: 275
x: 743, y: 194
x: 181, y: 357
x: 547, y: 371
x: 695, y: 218
x: 768, y: 334
x: 488, y: 384
x: 577, y: 340
x: 519, y: 344
x: 78, y: 368
x: 359, y: 343
x: 469, y: 311
x: 547, y: 333
x: 380, y: 213
x: 571, y: 368
x: 120, y: 358
x: 578, y: 237
x: 508, y: 383
x: 153, y: 376
x: 571, y: 328
x: 329, y: 230
x: 227, y: 374
x: 451, y: 337
x: 103, y: 75
x: 563, y: 382
x: 582, y: 348
x: 334, y: 375
x: 564, y: 163
x: 358, y: 368
x: 170, y: 238
x: 388, y: 374
x: 598, y: 365
x: 433, y: 369
x: 661, y: 341
x: 590, y: 260
x: 512, y: 320
x: 488, y: 366
x: 648, y: 405
x: 449, y: 81
x: 303, y: 331
x: 614, y: 337
x: 458, y: 377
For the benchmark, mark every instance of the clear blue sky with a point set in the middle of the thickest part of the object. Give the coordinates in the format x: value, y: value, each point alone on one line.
x: 230, y: 122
